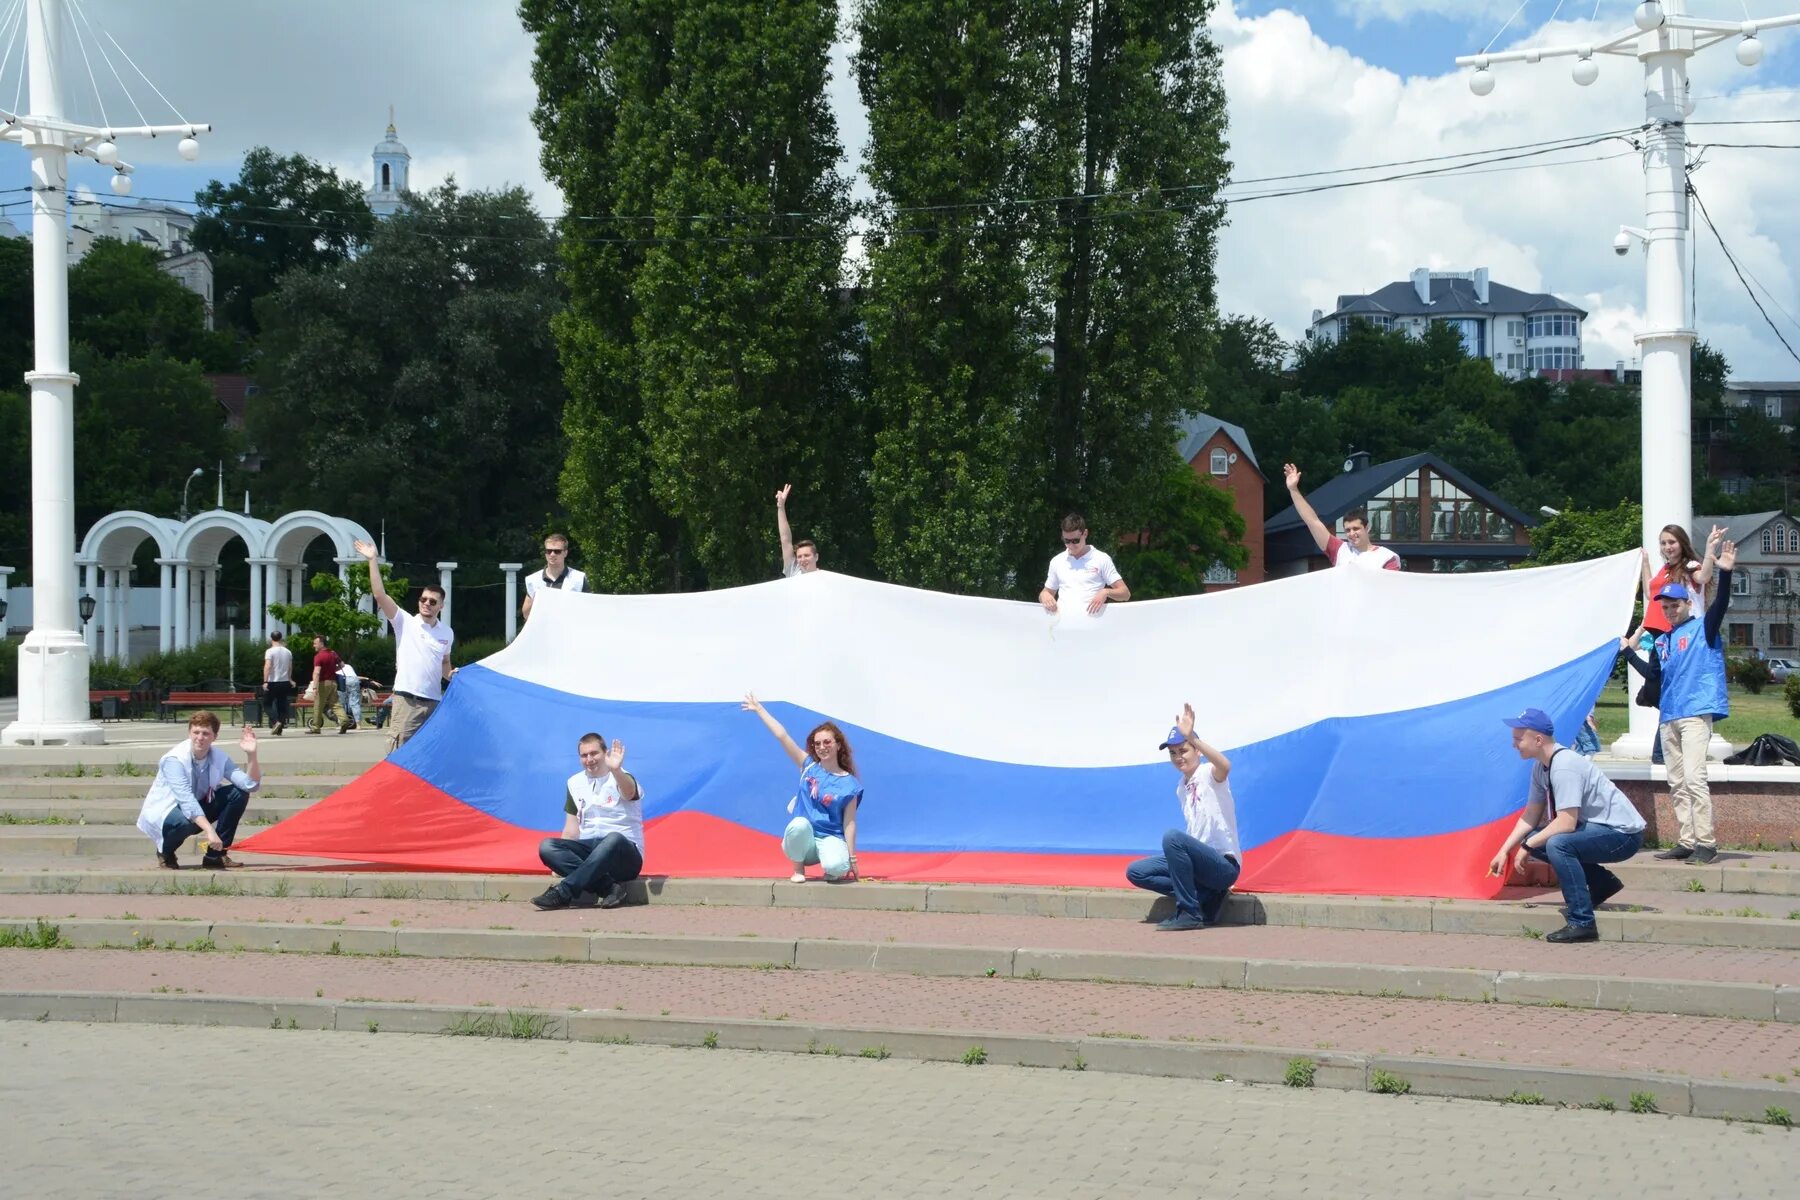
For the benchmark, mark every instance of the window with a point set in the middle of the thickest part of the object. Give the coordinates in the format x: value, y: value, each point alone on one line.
x: 386, y: 179
x: 1553, y: 358
x: 1515, y: 362
x: 1221, y: 462
x: 1739, y: 634
x: 1781, y: 634
x: 1778, y: 581
x: 1219, y: 573
x: 1740, y: 583
x: 1473, y: 332
x: 1794, y: 541
x: 1559, y: 325
x: 1515, y: 329
x: 1394, y: 513
x: 1772, y: 407
x: 1765, y: 543
x: 1457, y: 516
x: 1344, y: 324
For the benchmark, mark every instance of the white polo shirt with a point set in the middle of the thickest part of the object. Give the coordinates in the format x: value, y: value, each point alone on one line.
x: 600, y: 808
x: 1076, y: 581
x: 421, y: 655
x: 1210, y: 811
x: 570, y: 580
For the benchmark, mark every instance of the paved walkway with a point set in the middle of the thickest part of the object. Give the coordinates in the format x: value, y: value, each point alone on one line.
x: 325, y: 1113
x: 1701, y: 1047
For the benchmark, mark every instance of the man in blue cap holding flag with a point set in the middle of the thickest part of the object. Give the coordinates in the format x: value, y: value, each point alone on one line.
x: 1200, y: 863
x: 1575, y: 819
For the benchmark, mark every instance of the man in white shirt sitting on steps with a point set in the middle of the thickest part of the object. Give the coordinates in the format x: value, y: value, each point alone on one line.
x: 602, y: 844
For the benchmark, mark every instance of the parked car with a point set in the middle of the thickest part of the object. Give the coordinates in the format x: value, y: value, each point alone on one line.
x: 1780, y: 668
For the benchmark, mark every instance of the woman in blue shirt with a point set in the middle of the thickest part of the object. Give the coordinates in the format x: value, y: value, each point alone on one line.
x: 823, y: 830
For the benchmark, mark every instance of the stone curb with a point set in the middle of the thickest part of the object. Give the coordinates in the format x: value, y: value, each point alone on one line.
x: 1745, y: 1001
x: 1460, y: 1079
x: 1504, y: 918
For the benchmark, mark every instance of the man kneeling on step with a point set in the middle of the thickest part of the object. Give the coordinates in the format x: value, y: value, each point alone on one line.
x: 602, y: 845
x: 1199, y: 864
x: 198, y: 789
x: 1590, y: 822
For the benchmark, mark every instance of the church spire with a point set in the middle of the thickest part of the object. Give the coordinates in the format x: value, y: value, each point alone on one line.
x: 392, y: 164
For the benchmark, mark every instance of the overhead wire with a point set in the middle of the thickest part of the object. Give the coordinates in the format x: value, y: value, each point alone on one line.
x: 1739, y: 271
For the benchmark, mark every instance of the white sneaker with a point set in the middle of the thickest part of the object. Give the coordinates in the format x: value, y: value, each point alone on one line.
x: 797, y: 877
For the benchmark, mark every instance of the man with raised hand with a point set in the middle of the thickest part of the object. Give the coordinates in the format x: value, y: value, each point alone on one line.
x: 797, y: 558
x: 198, y: 789
x: 602, y: 844
x: 1200, y: 863
x: 1354, y: 549
x: 1081, y: 578
x: 557, y: 574
x: 422, y: 644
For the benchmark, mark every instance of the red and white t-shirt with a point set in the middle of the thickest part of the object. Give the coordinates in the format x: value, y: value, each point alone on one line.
x: 1375, y: 558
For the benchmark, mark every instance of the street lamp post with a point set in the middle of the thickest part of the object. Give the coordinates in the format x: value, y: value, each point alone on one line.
x: 53, y: 658
x: 1662, y: 37
x: 196, y: 473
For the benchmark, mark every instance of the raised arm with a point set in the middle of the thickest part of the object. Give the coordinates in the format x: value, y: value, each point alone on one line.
x: 752, y: 704
x: 615, y: 762
x: 782, y: 528
x: 1708, y: 557
x: 1643, y: 583
x: 1221, y: 766
x: 1321, y: 535
x: 1715, y: 613
x: 377, y: 590
x: 252, y: 765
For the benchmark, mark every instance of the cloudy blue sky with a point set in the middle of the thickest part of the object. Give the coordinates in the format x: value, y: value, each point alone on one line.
x: 1313, y: 85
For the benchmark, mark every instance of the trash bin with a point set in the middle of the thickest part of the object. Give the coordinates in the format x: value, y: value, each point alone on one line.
x: 253, y: 711
x: 109, y: 708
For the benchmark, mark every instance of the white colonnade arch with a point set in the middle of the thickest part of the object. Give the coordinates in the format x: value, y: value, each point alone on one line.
x: 187, y: 555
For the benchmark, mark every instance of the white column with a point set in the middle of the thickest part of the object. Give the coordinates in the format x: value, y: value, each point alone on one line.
x: 182, y: 579
x: 115, y: 608
x: 259, y: 616
x: 297, y: 584
x: 165, y: 606
x: 53, y: 658
x: 125, y: 615
x: 102, y: 621
x: 209, y: 601
x: 196, y: 598
x: 445, y: 569
x: 512, y: 598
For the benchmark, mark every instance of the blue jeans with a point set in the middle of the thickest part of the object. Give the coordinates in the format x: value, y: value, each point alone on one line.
x: 224, y: 808
x: 1188, y: 869
x: 1576, y: 859
x: 592, y: 864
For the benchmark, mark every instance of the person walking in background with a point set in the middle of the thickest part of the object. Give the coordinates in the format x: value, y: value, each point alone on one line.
x: 278, y: 683
x: 823, y: 830
x: 326, y: 665
x: 350, y: 689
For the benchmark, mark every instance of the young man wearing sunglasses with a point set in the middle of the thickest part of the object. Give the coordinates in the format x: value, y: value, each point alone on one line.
x: 557, y: 574
x: 1082, y: 579
x: 421, y: 650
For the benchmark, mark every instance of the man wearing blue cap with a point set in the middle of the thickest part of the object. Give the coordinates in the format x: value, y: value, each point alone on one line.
x: 1688, y: 665
x: 1198, y: 865
x: 1590, y: 822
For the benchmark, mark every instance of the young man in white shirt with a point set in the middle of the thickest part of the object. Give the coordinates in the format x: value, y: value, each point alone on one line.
x: 1354, y: 549
x: 602, y: 844
x: 1199, y: 864
x: 1590, y: 822
x: 198, y: 789
x: 278, y: 682
x: 1081, y: 579
x: 797, y: 558
x: 557, y: 574
x: 422, y: 645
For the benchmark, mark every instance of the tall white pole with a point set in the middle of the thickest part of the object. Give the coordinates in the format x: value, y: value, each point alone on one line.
x: 53, y: 658
x: 512, y: 598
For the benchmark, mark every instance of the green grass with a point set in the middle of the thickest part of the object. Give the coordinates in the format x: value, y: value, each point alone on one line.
x: 974, y: 1056
x: 1750, y: 715
x: 40, y: 936
x: 1643, y: 1102
x: 1387, y: 1083
x: 1778, y: 1116
x: 1299, y: 1073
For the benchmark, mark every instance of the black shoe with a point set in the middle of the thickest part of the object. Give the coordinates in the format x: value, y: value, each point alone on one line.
x: 1574, y: 933
x: 166, y: 859
x: 1180, y: 923
x: 1602, y: 896
x: 1675, y: 852
x: 554, y: 897
x: 1705, y: 854
x: 277, y: 728
x: 586, y: 900
x: 615, y: 896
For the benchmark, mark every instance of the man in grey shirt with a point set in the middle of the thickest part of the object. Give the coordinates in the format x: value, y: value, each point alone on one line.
x: 1590, y: 822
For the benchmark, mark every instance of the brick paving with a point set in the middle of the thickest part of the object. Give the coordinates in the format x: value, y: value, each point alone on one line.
x: 1705, y: 1047
x: 1295, y: 943
x: 313, y: 1114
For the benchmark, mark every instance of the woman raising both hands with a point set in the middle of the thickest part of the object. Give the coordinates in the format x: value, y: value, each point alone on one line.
x: 823, y: 830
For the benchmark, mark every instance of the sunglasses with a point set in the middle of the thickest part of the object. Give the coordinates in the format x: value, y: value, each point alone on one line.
x: 1075, y: 541
x: 554, y: 550
x: 429, y: 600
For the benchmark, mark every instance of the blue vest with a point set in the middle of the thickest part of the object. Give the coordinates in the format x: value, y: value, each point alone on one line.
x: 1693, y: 673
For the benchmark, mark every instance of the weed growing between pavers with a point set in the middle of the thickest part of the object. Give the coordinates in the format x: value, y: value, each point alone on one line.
x: 1534, y: 934
x: 974, y: 1056
x: 1747, y: 911
x: 883, y: 1052
x: 711, y: 1040
x: 1387, y: 1083
x: 1778, y: 1116
x: 1602, y: 1103
x: 1693, y: 885
x: 1643, y: 1102
x: 39, y: 936
x: 1300, y: 1072
x: 280, y: 889
x: 10, y: 818
x: 1523, y: 1098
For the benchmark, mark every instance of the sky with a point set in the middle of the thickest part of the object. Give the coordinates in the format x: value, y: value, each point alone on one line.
x: 1312, y: 85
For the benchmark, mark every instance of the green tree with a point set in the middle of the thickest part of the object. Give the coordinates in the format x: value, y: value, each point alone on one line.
x: 1190, y: 524
x: 334, y: 613
x: 121, y: 304
x: 1575, y: 536
x: 953, y: 345
x: 141, y: 424
x: 282, y: 212
x: 417, y: 382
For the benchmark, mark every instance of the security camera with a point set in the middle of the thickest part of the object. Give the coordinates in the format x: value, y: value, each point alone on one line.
x: 1622, y: 244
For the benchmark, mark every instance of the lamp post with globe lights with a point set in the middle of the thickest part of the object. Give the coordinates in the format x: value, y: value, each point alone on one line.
x: 53, y: 658
x: 1663, y: 37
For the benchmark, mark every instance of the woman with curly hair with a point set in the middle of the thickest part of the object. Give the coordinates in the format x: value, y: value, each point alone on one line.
x: 823, y: 830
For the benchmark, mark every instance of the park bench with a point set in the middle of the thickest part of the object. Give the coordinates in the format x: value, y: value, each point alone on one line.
x: 112, y: 702
x: 179, y: 702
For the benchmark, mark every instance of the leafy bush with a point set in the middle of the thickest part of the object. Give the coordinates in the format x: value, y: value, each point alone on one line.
x: 475, y: 649
x: 1790, y: 691
x: 1751, y: 674
x: 9, y: 666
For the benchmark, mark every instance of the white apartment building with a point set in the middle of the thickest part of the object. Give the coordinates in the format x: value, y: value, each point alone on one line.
x: 1521, y: 333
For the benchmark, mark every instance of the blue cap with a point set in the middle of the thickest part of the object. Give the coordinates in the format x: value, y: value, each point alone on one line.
x: 1174, y: 738
x: 1534, y: 719
x: 1674, y: 591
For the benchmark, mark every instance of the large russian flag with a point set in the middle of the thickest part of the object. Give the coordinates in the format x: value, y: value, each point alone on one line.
x: 1361, y: 711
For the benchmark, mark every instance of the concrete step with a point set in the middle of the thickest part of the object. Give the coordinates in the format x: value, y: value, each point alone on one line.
x: 1675, y: 918
x: 1667, y: 1063
x: 48, y: 816
x: 17, y: 790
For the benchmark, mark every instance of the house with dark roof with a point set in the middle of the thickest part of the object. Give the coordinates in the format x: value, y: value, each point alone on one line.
x: 1521, y: 333
x: 1220, y: 452
x: 1765, y: 587
x: 1420, y: 507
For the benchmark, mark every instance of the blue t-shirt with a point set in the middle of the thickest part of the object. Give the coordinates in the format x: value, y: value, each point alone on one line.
x: 822, y: 798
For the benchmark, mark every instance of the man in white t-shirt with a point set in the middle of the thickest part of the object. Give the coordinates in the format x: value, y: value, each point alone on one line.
x: 278, y: 682
x: 422, y: 646
x: 602, y: 844
x: 797, y: 558
x: 557, y: 574
x: 1200, y: 863
x: 1081, y: 579
x: 1354, y: 549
